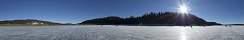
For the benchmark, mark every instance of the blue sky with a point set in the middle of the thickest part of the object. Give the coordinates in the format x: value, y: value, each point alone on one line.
x: 75, y: 11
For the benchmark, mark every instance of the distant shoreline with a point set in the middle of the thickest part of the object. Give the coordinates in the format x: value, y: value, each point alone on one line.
x: 111, y: 25
x: 22, y: 25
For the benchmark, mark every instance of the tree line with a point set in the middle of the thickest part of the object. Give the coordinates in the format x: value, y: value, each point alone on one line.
x: 152, y: 18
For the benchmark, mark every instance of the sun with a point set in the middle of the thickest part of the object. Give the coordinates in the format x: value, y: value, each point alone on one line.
x: 183, y: 9
x: 183, y: 6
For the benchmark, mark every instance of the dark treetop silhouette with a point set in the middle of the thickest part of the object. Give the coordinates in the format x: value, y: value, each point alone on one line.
x: 160, y: 18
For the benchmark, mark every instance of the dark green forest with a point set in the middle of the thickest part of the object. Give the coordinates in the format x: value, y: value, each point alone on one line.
x: 152, y: 18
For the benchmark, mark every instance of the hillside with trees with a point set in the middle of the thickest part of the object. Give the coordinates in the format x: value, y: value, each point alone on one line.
x: 152, y: 18
x: 27, y: 22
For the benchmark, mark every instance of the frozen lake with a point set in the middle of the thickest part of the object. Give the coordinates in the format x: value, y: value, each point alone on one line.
x: 110, y: 32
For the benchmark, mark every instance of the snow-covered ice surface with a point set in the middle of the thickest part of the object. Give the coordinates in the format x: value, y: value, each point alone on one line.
x: 110, y: 32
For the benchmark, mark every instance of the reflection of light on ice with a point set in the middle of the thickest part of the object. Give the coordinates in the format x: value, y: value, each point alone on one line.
x: 183, y: 34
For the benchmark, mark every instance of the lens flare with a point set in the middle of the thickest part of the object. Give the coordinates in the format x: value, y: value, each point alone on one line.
x: 183, y: 6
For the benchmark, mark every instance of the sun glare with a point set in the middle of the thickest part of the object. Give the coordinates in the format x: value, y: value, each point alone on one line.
x: 183, y: 9
x: 183, y: 6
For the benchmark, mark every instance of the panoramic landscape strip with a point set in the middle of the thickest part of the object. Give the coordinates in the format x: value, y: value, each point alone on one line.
x: 148, y: 19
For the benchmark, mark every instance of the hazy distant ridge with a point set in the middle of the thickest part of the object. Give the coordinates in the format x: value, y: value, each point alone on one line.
x: 27, y: 22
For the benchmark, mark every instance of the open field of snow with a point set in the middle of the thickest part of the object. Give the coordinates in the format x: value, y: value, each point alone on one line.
x: 110, y: 32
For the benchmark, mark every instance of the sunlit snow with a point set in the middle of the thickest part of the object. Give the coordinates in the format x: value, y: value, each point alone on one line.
x: 110, y: 32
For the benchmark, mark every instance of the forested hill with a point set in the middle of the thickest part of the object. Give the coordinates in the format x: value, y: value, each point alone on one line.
x: 27, y: 22
x: 160, y: 18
